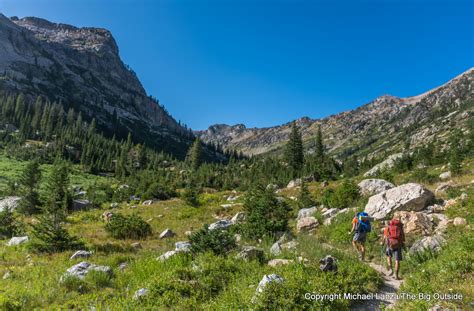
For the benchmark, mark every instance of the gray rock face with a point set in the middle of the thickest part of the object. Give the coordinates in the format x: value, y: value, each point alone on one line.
x: 17, y: 240
x: 407, y: 197
x: 220, y: 224
x: 386, y: 164
x: 167, y: 233
x: 307, y: 224
x: 249, y: 253
x: 433, y: 243
x: 267, y: 279
x: 306, y: 212
x: 83, y: 268
x: 81, y: 254
x: 370, y: 187
x: 9, y: 202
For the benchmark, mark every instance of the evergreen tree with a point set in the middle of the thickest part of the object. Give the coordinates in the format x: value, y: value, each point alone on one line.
x: 195, y: 154
x: 294, y: 150
x: 304, y: 198
x: 49, y: 235
x: 29, y: 183
x: 455, y: 155
x: 319, y: 146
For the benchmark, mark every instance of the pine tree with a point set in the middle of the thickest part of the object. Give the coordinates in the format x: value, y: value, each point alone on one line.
x: 304, y: 198
x: 195, y: 154
x: 294, y: 150
x: 49, y: 235
x: 455, y: 156
x: 319, y: 146
x: 29, y: 183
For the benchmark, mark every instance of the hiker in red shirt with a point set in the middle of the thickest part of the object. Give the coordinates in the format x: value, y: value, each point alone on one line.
x: 394, y: 238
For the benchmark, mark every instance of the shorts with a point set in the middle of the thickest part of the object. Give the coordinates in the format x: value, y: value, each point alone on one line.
x: 360, y: 237
x: 395, y: 253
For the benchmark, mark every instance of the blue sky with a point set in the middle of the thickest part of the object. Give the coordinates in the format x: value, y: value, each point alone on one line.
x: 264, y: 63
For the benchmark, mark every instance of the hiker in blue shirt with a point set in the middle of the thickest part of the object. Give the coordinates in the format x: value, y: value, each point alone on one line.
x: 361, y: 226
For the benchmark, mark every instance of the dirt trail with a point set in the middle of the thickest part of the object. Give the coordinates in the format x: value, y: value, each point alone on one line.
x: 385, y: 298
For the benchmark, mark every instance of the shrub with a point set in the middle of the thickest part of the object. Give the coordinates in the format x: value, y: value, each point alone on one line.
x: 9, y: 225
x: 216, y: 241
x: 422, y: 175
x: 190, y: 195
x: 128, y: 227
x: 341, y: 197
x: 304, y: 198
x: 159, y: 191
x: 266, y: 215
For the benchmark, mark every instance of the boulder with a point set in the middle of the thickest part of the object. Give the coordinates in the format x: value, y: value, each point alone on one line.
x: 445, y: 175
x: 136, y: 245
x: 81, y: 254
x: 167, y: 233
x: 443, y: 187
x: 17, y: 240
x: 433, y: 243
x: 9, y: 202
x: 239, y: 217
x: 140, y: 293
x: 147, y: 202
x: 279, y: 262
x: 369, y: 187
x: 330, y: 213
x: 328, y: 264
x: 407, y: 197
x: 122, y: 266
x: 386, y: 164
x: 459, y: 222
x: 167, y: 255
x: 220, y: 224
x: 182, y: 246
x: 249, y: 253
x: 79, y: 205
x: 275, y: 249
x: 267, y: 279
x: 307, y: 224
x: 294, y: 183
x: 329, y: 220
x: 306, y: 212
x: 415, y: 222
x: 81, y: 269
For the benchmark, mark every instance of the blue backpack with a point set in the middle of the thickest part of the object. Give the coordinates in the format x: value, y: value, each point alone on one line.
x: 363, y: 222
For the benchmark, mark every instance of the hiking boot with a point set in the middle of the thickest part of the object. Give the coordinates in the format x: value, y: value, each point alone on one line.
x: 390, y: 272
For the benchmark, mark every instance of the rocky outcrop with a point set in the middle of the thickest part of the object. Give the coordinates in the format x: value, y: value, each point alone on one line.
x: 433, y: 243
x: 407, y: 197
x: 17, y: 240
x: 83, y: 268
x: 415, y: 222
x: 221, y: 224
x: 306, y: 212
x: 386, y: 164
x: 369, y: 187
x: 307, y: 224
x: 9, y: 202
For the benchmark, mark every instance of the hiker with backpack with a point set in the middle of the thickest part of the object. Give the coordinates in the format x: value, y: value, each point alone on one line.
x: 361, y: 226
x: 394, y: 238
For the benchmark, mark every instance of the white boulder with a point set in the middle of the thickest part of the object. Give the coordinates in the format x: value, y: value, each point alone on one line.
x: 17, y: 240
x: 368, y: 187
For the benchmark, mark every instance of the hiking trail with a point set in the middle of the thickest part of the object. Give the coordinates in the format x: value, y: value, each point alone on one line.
x: 386, y: 294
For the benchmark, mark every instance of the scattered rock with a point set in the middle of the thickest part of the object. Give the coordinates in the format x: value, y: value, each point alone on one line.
x: 239, y: 217
x: 369, y: 187
x: 279, y: 262
x: 434, y: 243
x: 79, y: 205
x: 81, y: 254
x: 272, y: 187
x: 415, y: 222
x: 7, y: 275
x: 443, y: 187
x: 220, y: 224
x: 182, y: 246
x: 267, y: 279
x: 275, y: 249
x: 188, y: 233
x: 445, y: 175
x: 303, y: 260
x: 324, y: 184
x: 328, y: 264
x: 237, y: 238
x: 9, y: 202
x: 114, y: 205
x: 122, y: 266
x: 289, y: 245
x: 330, y: 213
x: 107, y: 216
x: 232, y: 198
x: 147, y: 202
x: 459, y: 222
x: 167, y: 255
x: 294, y: 183
x: 306, y: 212
x: 407, y: 197
x: 17, y: 240
x: 167, y: 233
x: 140, y: 293
x: 329, y: 220
x: 463, y: 196
x: 307, y: 224
x: 249, y: 253
x: 386, y: 164
x: 81, y: 269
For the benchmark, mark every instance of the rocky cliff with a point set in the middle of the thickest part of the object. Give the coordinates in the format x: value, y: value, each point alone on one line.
x: 81, y: 67
x: 385, y: 124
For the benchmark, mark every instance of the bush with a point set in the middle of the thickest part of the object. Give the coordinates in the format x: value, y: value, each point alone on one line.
x: 190, y: 195
x: 343, y: 196
x: 266, y: 215
x: 304, y: 197
x: 422, y: 175
x: 9, y: 225
x: 159, y: 191
x: 219, y: 242
x: 128, y: 227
